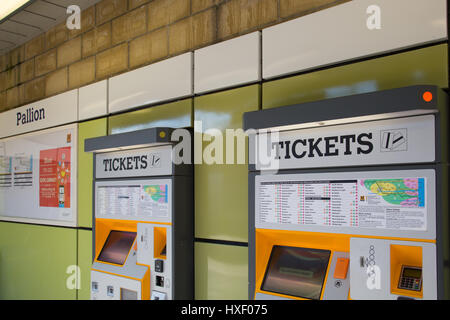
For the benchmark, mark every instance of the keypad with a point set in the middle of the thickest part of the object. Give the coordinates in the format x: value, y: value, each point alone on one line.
x: 410, y: 284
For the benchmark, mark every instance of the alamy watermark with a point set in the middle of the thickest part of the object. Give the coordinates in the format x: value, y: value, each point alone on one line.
x: 73, y: 21
x: 373, y: 21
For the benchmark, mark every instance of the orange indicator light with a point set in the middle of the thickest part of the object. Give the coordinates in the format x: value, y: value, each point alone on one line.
x: 427, y: 96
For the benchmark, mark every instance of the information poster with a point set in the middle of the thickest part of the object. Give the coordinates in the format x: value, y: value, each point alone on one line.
x: 38, y: 177
x: 361, y: 202
x: 54, y: 178
x: 5, y: 168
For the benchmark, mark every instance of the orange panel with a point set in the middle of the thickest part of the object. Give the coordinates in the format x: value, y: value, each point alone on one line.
x: 265, y: 239
x: 340, y: 272
x: 159, y: 242
x: 402, y: 255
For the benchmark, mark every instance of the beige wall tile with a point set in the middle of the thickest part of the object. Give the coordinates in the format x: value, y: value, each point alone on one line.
x: 3, y: 59
x: 96, y: 40
x: 12, y: 97
x: 204, y: 28
x: 81, y: 73
x: 35, y: 46
x: 16, y: 56
x: 26, y: 70
x: 111, y: 61
x: 33, y: 90
x: 69, y: 52
x: 239, y: 16
x: 148, y: 48
x: 130, y: 25
x: 2, y: 81
x: 88, y: 46
x: 56, y: 35
x: 11, y: 77
x: 45, y: 63
x: 163, y: 12
x: 198, y: 5
x: 87, y: 22
x: 56, y: 82
x: 109, y: 9
x: 193, y: 32
x: 180, y: 36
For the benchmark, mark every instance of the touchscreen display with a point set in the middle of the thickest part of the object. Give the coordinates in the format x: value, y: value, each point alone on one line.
x: 116, y: 247
x: 298, y: 272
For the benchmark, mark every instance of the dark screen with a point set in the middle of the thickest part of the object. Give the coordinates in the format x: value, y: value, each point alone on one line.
x: 412, y: 272
x: 116, y: 247
x: 298, y: 272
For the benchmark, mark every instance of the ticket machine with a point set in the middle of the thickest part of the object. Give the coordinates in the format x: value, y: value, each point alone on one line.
x: 348, y: 197
x: 143, y: 221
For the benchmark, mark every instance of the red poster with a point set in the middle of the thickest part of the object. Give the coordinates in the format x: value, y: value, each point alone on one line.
x: 54, y: 178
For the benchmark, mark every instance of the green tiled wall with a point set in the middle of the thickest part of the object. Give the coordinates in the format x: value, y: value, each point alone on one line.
x: 85, y: 262
x: 423, y: 66
x: 221, y: 272
x: 34, y: 261
x: 174, y: 115
x: 89, y: 129
x: 221, y: 190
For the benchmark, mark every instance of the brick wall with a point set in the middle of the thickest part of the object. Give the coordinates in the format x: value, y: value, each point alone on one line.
x: 121, y: 35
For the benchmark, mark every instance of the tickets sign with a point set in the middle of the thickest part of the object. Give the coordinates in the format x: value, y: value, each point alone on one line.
x: 394, y: 141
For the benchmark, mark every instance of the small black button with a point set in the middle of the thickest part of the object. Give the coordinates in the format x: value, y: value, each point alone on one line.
x: 159, y: 265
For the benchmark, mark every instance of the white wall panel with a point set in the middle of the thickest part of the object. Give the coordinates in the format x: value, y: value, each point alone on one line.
x: 340, y: 33
x: 161, y: 81
x: 228, y: 63
x: 93, y: 100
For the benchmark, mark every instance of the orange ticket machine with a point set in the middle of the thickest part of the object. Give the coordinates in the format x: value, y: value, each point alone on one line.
x: 348, y: 197
x: 143, y: 222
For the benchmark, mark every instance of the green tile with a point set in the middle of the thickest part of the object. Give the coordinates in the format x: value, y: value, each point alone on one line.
x: 89, y: 129
x: 221, y: 272
x: 221, y: 190
x: 423, y: 66
x: 34, y: 261
x: 85, y: 263
x: 174, y: 115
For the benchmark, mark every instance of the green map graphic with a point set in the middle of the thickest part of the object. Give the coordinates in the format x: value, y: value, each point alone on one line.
x: 158, y: 193
x: 403, y: 192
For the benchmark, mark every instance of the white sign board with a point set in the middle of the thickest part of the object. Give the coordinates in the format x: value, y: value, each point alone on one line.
x: 154, y: 161
x: 402, y: 140
x: 38, y: 177
x: 51, y: 112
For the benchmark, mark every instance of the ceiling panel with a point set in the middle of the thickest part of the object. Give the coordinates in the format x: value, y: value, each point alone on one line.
x: 20, y: 29
x: 25, y: 17
x: 46, y: 9
x: 66, y: 3
x: 9, y: 37
x: 34, y: 19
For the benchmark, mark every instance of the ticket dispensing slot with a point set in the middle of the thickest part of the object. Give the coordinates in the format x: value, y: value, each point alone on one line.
x: 143, y: 218
x: 347, y: 197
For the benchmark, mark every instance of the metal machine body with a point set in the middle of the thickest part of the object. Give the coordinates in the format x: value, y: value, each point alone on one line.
x: 353, y: 202
x: 143, y: 246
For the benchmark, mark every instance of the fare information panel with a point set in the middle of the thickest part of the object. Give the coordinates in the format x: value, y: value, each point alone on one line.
x: 376, y: 202
x: 149, y: 200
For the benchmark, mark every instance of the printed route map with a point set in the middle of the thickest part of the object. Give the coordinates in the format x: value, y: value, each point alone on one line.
x: 403, y: 192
